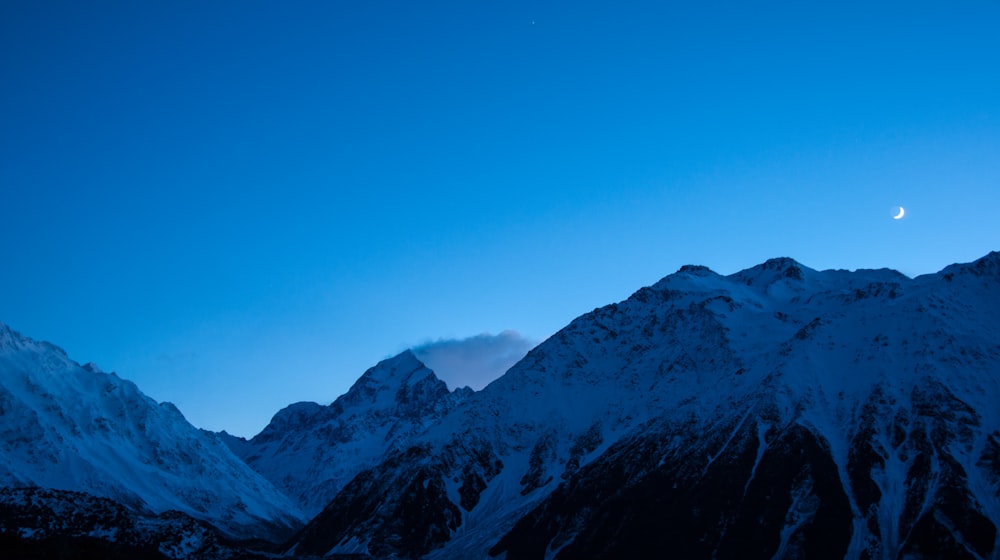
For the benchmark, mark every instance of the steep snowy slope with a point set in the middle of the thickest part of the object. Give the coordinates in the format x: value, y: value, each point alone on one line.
x: 777, y: 412
x: 310, y: 451
x: 67, y: 427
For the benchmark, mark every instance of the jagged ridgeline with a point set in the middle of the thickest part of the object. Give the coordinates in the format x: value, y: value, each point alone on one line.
x: 311, y: 451
x: 75, y: 428
x: 779, y: 412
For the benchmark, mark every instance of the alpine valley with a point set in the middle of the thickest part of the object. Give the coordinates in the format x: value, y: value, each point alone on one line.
x: 778, y: 412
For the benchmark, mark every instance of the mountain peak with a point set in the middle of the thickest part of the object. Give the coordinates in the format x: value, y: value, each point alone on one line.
x: 290, y: 417
x: 988, y: 265
x: 786, y: 267
x: 392, y: 373
x: 695, y: 270
x: 76, y: 428
x: 7, y: 336
x: 312, y: 451
x: 13, y: 340
x: 93, y: 368
x: 400, y: 381
x: 772, y: 271
x: 780, y: 263
x: 404, y: 360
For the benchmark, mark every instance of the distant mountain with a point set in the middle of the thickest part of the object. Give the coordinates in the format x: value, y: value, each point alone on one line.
x: 779, y: 412
x: 75, y: 428
x: 311, y: 451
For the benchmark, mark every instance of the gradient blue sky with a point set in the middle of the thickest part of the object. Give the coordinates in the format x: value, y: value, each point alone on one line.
x: 243, y: 204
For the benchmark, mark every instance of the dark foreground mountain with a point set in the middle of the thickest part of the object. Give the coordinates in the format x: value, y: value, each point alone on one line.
x: 40, y: 523
x: 780, y: 412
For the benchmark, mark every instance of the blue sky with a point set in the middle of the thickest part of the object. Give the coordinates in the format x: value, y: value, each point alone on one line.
x: 239, y: 205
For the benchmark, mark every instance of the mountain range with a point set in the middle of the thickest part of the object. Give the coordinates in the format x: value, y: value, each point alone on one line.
x: 778, y: 412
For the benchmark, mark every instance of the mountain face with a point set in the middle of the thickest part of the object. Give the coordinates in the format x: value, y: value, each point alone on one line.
x: 311, y: 451
x: 75, y: 428
x: 779, y: 412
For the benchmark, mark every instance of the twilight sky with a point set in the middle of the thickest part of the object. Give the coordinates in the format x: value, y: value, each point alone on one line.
x: 242, y: 204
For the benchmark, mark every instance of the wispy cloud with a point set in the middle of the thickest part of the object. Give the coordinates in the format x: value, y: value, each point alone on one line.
x: 474, y: 361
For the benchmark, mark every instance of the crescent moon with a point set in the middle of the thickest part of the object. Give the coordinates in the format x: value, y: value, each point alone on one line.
x: 900, y: 215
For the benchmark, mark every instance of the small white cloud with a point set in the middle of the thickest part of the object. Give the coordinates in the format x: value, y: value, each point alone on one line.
x: 474, y: 361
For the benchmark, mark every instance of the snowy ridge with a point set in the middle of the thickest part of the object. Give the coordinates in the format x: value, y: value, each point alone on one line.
x: 69, y: 427
x: 776, y: 412
x: 311, y: 451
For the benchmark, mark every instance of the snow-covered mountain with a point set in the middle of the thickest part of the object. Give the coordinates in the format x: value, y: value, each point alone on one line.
x: 311, y: 451
x: 69, y: 427
x: 779, y: 412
